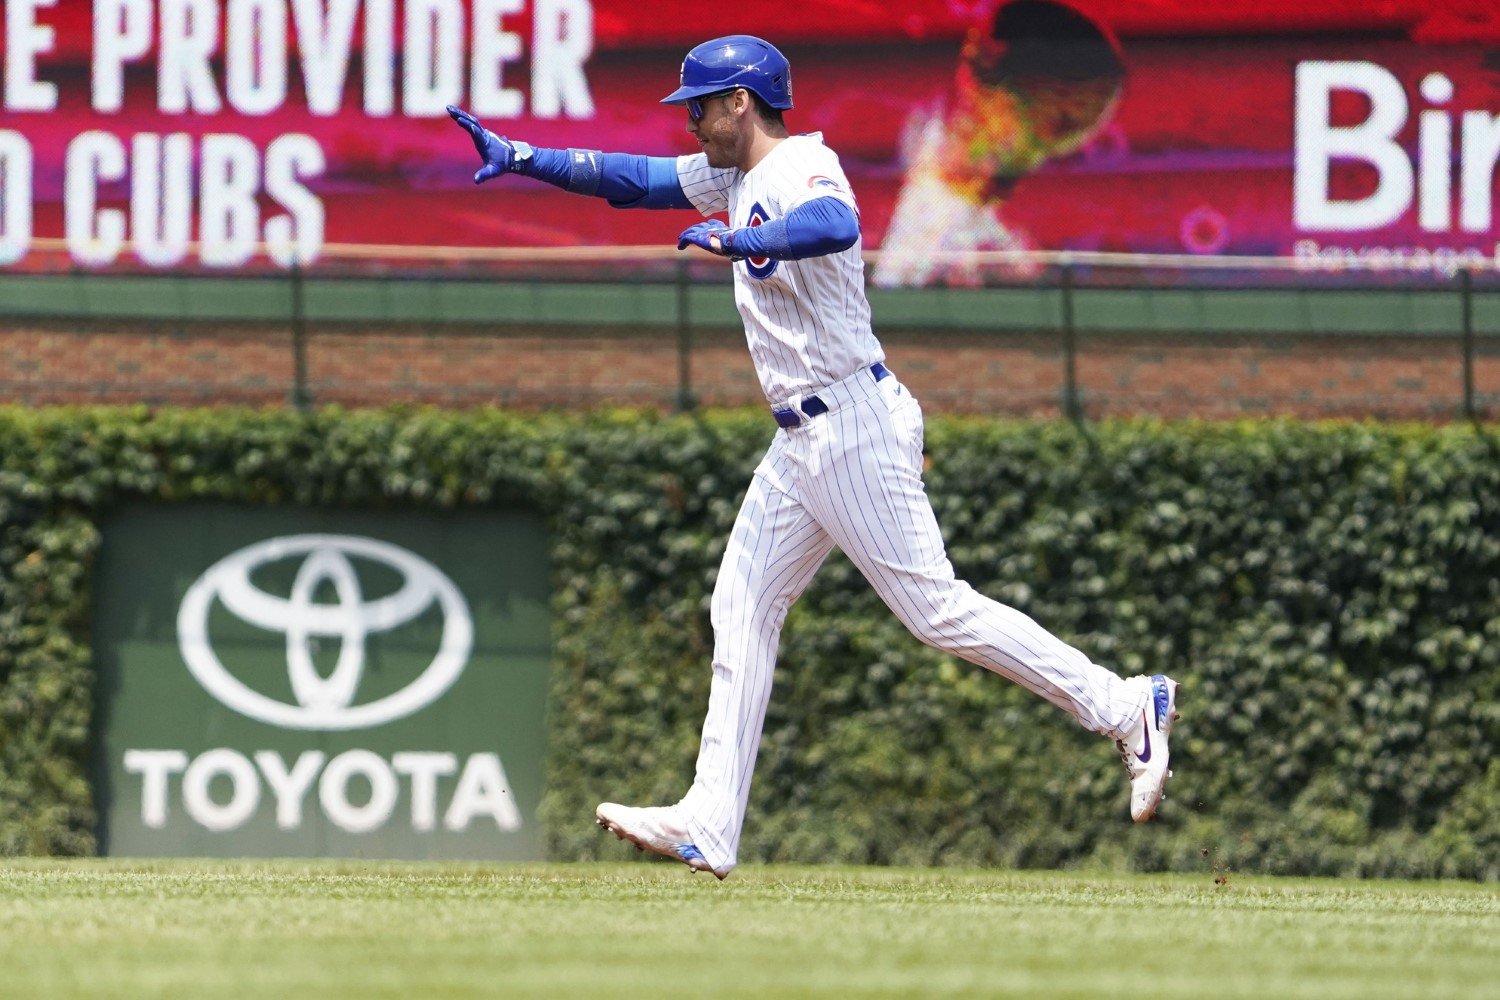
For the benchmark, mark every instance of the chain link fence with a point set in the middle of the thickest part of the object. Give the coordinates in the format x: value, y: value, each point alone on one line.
x: 1079, y: 335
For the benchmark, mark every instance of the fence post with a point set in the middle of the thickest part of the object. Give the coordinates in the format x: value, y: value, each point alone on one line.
x: 685, y: 400
x: 1072, y: 407
x: 1466, y: 287
x: 301, y: 397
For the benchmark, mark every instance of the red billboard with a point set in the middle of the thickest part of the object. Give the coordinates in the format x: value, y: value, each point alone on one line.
x: 241, y: 133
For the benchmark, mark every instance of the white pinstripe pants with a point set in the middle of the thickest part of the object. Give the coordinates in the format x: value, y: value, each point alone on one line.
x: 853, y: 478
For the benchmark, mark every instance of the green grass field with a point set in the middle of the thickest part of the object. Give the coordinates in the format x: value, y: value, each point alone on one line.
x: 277, y: 929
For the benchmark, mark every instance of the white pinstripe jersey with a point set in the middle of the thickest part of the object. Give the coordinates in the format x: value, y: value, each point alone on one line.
x: 807, y: 321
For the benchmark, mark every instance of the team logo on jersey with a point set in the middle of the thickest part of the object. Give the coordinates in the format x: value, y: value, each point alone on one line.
x: 819, y: 181
x: 759, y: 267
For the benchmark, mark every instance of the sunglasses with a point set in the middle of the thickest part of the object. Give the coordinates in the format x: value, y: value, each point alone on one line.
x: 695, y: 104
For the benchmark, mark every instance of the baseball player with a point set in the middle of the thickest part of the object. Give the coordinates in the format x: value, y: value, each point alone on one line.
x: 845, y: 468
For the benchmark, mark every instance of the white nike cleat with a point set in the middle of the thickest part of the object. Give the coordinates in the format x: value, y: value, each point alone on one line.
x: 653, y: 828
x: 1145, y: 750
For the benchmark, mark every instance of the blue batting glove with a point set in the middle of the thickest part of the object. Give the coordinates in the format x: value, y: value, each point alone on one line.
x: 500, y: 155
x: 701, y: 235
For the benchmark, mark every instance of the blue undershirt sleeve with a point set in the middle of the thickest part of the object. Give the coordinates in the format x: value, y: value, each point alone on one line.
x: 625, y: 180
x: 632, y: 181
x: 813, y: 229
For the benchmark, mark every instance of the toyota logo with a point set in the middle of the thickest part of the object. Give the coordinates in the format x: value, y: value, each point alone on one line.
x: 324, y: 703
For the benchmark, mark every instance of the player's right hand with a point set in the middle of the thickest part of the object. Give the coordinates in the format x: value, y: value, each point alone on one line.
x: 712, y: 235
x: 498, y: 152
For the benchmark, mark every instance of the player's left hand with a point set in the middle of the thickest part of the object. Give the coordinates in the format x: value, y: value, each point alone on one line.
x: 710, y: 235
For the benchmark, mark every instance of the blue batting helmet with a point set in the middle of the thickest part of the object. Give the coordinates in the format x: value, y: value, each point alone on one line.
x: 735, y: 61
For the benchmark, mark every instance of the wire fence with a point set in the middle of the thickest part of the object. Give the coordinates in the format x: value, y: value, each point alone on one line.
x: 1076, y: 334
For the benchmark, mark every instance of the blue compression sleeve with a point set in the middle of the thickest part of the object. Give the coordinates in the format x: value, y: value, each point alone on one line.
x: 623, y: 179
x: 632, y: 181
x: 812, y: 229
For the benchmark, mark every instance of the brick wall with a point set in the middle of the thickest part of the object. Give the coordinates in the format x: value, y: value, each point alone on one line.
x: 1014, y: 374
x: 73, y: 363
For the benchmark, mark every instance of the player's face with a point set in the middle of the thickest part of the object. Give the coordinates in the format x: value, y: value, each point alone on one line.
x: 715, y: 121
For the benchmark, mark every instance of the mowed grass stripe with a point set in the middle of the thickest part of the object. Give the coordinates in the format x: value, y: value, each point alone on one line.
x: 111, y: 928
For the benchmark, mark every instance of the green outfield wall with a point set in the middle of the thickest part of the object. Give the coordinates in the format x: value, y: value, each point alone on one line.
x: 1329, y: 595
x: 1073, y: 342
x: 1430, y: 309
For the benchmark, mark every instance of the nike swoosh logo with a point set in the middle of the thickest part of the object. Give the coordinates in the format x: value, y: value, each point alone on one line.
x: 1145, y: 755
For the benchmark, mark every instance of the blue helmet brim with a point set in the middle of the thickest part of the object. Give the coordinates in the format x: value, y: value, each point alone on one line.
x: 684, y: 94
